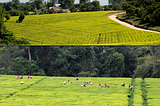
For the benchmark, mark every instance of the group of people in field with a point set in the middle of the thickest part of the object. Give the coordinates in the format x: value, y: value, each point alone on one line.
x: 69, y: 82
x: 21, y: 77
x: 100, y: 85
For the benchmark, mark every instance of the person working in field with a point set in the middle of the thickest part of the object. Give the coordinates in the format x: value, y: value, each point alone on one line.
x: 64, y: 83
x: 90, y: 83
x: 123, y: 84
x: 131, y: 87
x: 21, y: 77
x: 77, y: 79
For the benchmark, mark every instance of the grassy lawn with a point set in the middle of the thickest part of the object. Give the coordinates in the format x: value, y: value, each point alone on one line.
x: 50, y: 91
x: 82, y: 28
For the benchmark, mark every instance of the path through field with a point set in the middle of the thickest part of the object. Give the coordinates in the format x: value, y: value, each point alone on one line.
x: 113, y: 16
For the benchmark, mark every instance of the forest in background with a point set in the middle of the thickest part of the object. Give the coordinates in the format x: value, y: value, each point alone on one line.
x: 142, y: 13
x: 82, y: 61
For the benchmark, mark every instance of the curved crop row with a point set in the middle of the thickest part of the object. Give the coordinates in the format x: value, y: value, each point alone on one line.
x: 81, y: 28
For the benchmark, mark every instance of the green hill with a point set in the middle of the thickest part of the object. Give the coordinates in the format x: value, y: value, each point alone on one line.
x: 78, y: 29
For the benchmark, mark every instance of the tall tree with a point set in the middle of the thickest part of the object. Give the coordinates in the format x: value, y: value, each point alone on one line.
x: 53, y: 2
x: 2, y: 27
x: 116, y: 1
x: 65, y: 3
x: 84, y: 1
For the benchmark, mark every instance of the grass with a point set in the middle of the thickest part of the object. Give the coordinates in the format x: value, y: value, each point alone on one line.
x: 153, y: 88
x: 82, y: 28
x: 50, y: 91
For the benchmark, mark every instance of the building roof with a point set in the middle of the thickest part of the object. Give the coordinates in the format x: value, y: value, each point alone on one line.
x: 55, y: 8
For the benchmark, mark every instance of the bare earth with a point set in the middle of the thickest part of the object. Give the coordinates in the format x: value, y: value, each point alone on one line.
x: 113, y: 16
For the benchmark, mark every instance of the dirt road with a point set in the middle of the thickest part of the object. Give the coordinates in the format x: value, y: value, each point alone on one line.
x: 113, y: 16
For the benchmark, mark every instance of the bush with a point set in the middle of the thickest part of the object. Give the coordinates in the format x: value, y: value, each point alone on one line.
x: 138, y: 12
x: 73, y: 8
x: 21, y: 17
x: 83, y: 74
x: 131, y: 11
x: 94, y: 74
x: 26, y: 12
x: 60, y: 11
x: 147, y: 18
x: 7, y: 16
x: 40, y: 73
x: 156, y: 16
x: 50, y: 11
x: 14, y: 13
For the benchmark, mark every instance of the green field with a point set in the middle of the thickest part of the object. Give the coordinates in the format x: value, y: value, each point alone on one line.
x: 153, y: 88
x: 82, y: 28
x: 50, y: 91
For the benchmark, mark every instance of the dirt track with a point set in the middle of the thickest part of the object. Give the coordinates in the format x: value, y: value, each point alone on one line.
x: 113, y: 16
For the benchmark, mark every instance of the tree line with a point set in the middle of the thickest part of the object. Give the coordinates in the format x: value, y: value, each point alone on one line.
x: 147, y: 10
x: 84, y: 61
x: 14, y: 7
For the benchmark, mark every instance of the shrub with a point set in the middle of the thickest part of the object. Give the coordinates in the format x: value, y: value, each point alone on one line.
x: 14, y: 13
x: 50, y: 11
x: 73, y: 8
x: 131, y: 11
x: 138, y: 12
x: 60, y: 11
x: 40, y: 72
x: 7, y: 16
x: 94, y: 74
x: 147, y: 18
x: 26, y: 12
x: 83, y: 74
x: 156, y: 16
x: 21, y: 17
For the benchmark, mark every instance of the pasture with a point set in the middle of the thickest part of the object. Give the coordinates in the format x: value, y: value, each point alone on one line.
x: 50, y: 91
x: 82, y: 28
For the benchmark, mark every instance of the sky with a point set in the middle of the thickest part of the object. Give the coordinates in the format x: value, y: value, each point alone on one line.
x: 102, y: 2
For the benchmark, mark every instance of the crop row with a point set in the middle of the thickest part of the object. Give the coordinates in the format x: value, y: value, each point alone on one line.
x: 153, y: 88
x: 78, y: 29
x: 51, y: 91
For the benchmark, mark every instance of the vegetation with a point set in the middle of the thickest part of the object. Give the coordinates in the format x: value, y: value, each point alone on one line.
x: 144, y: 14
x: 51, y: 91
x: 65, y: 31
x: 42, y: 90
x: 152, y: 87
x: 7, y: 37
x: 21, y: 17
x: 81, y: 61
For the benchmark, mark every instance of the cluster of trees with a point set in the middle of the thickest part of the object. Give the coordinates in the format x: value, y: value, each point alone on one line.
x: 7, y: 37
x: 14, y: 7
x: 76, y: 61
x: 86, y: 6
x: 147, y: 10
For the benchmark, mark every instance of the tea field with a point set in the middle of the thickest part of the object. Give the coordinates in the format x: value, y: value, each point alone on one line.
x: 153, y: 88
x: 81, y: 28
x: 50, y: 91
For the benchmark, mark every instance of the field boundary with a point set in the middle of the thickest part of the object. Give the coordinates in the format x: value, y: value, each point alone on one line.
x: 25, y: 88
x: 113, y: 16
x: 144, y: 93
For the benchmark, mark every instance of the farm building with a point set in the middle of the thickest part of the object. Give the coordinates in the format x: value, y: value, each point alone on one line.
x: 55, y: 8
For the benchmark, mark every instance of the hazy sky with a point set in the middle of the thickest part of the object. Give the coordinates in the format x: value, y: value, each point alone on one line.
x: 102, y: 2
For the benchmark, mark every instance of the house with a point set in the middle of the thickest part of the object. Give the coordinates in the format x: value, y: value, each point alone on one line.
x: 55, y: 8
